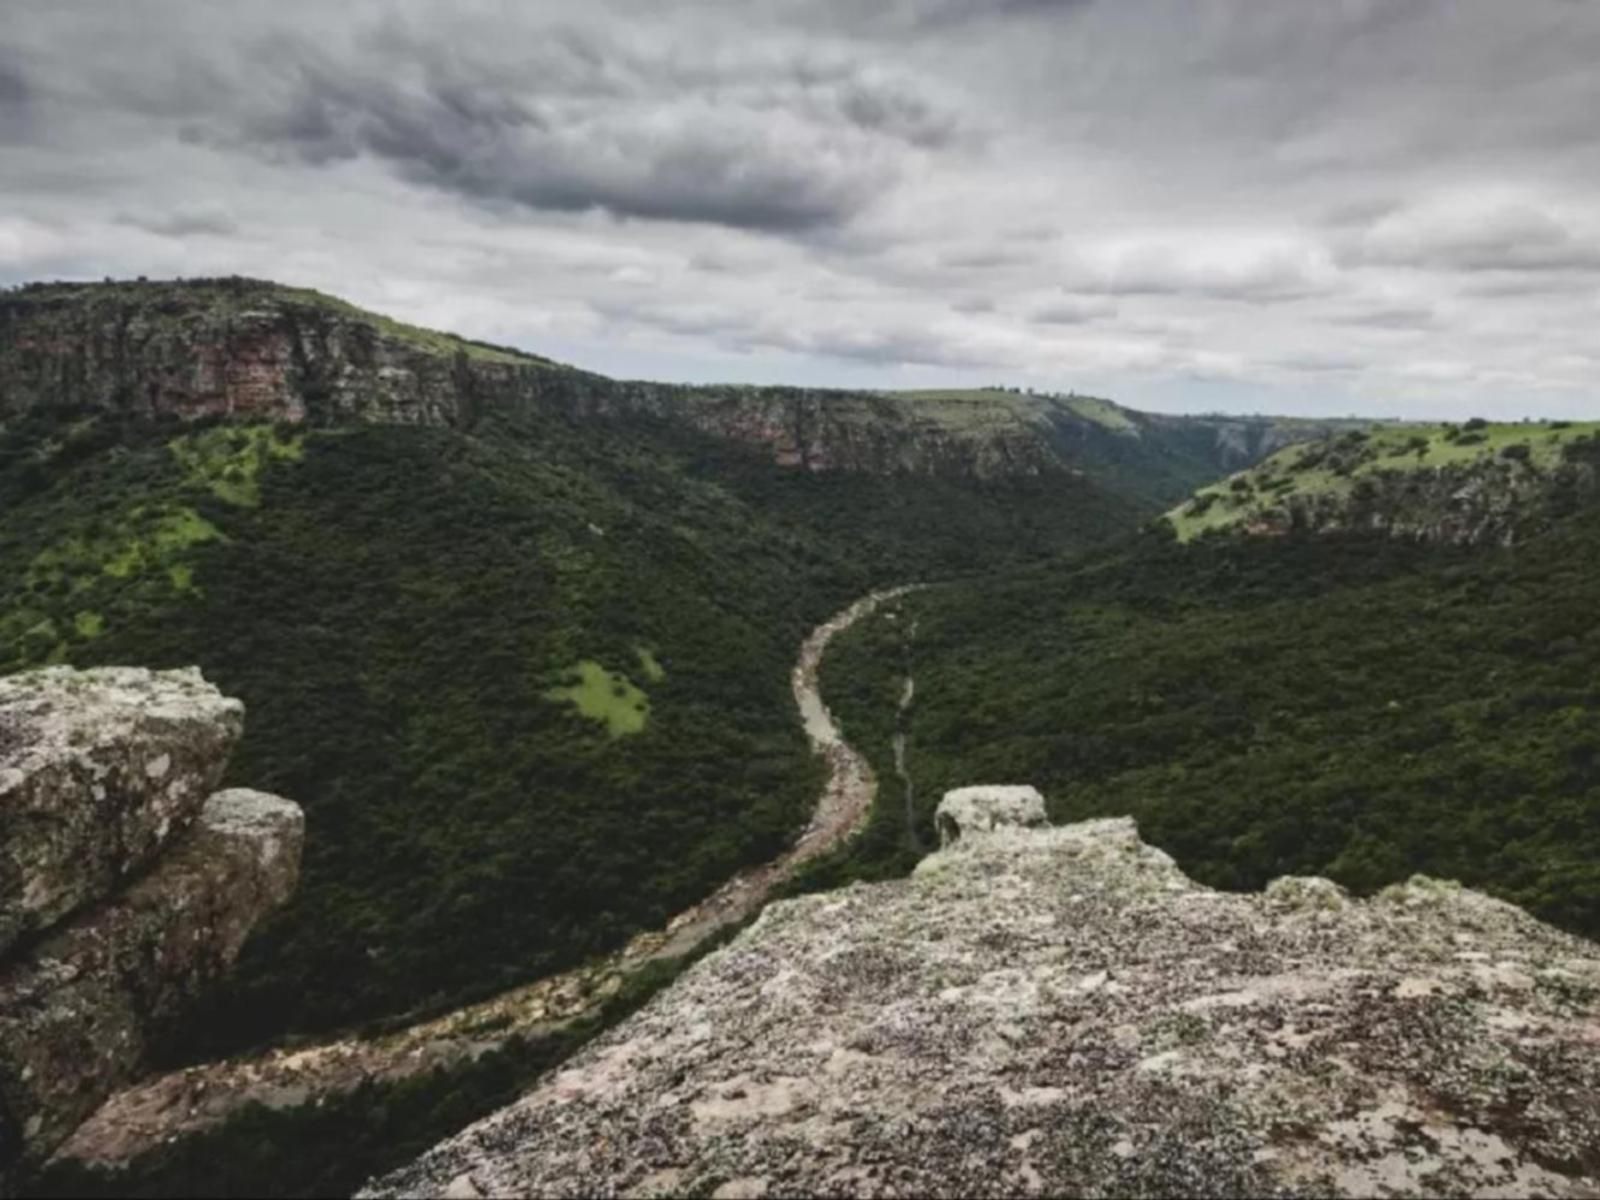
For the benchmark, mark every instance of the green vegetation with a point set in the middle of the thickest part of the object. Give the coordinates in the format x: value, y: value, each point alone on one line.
x: 173, y: 300
x: 1103, y: 412
x: 228, y: 459
x: 395, y: 606
x: 1349, y: 706
x: 653, y: 670
x: 333, y: 1146
x: 1337, y: 467
x: 605, y: 696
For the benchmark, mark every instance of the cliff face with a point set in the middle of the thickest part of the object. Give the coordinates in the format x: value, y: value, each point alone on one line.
x: 127, y: 886
x: 251, y: 350
x: 1061, y: 1011
x: 258, y: 351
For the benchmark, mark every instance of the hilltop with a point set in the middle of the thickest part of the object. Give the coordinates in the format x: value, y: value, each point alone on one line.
x: 1473, y: 481
x: 256, y: 350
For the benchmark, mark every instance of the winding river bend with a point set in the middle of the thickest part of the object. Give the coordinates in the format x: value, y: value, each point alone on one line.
x: 189, y: 1101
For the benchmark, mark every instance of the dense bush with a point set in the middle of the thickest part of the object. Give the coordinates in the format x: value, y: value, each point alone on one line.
x: 1354, y: 707
x: 397, y: 606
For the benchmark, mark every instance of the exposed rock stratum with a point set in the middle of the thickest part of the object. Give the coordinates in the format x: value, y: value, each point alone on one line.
x: 1062, y: 1012
x: 127, y: 885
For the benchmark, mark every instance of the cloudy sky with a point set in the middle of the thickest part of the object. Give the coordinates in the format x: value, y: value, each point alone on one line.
x: 1375, y: 206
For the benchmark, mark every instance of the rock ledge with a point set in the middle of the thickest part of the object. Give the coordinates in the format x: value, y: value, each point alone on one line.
x: 1062, y: 1011
x: 127, y: 887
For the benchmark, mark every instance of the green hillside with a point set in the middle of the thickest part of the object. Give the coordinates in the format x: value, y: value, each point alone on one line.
x: 1385, y: 469
x: 1356, y: 706
x: 530, y: 683
x: 517, y: 636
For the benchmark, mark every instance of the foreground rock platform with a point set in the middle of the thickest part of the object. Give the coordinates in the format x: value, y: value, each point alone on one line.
x: 99, y: 770
x: 107, y: 811
x: 1062, y: 1012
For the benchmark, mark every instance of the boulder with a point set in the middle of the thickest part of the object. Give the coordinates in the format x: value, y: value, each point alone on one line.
x: 79, y: 1009
x: 987, y: 807
x: 1061, y: 1011
x: 99, y: 770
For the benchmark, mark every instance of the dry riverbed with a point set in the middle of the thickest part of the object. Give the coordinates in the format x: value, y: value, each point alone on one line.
x: 185, y: 1102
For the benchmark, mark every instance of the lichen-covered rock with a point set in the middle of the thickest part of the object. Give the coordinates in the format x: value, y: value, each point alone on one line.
x: 1063, y: 1012
x: 99, y: 770
x: 985, y: 808
x: 78, y: 1010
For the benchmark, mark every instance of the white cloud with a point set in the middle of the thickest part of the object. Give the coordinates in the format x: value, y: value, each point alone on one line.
x: 1303, y: 207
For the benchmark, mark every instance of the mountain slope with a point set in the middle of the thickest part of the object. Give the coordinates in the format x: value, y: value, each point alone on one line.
x: 526, y: 667
x: 1471, y: 482
x: 1352, y: 705
x: 244, y: 348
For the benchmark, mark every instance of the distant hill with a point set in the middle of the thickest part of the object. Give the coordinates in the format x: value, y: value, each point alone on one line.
x: 253, y: 350
x: 1475, y: 481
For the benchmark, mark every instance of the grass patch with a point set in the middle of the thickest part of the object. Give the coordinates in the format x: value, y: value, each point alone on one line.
x: 1102, y: 412
x: 653, y: 670
x: 605, y: 696
x: 227, y: 460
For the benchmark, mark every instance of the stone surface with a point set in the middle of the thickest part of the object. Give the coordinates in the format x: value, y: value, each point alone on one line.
x: 1062, y: 1011
x: 99, y: 770
x: 985, y: 808
x: 79, y: 1009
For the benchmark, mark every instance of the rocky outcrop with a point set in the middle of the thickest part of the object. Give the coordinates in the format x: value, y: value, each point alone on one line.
x: 1483, y: 503
x: 98, y: 770
x: 1062, y: 1012
x: 987, y: 807
x: 130, y: 886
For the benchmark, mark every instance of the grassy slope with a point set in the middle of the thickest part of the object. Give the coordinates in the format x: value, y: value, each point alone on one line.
x: 181, y: 300
x: 400, y: 609
x: 1356, y: 708
x: 1334, y: 467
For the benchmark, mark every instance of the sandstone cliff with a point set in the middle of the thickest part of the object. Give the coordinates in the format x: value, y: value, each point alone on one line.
x: 127, y: 885
x: 253, y: 350
x: 1062, y: 1012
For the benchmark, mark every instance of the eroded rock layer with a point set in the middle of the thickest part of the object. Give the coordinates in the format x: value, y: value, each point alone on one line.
x: 1063, y: 1012
x: 127, y: 887
x: 99, y: 770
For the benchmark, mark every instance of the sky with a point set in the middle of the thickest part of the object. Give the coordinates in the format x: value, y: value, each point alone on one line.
x: 1384, y: 207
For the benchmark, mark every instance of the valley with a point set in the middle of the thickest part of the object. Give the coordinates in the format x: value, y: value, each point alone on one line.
x: 521, y: 639
x: 1348, y: 704
x: 144, y: 1118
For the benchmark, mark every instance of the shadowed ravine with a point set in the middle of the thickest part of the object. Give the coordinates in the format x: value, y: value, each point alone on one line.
x: 197, y: 1098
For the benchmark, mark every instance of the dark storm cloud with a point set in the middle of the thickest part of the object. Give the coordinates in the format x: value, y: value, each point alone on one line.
x: 1072, y: 311
x: 1503, y: 237
x: 1403, y: 198
x: 183, y: 222
x: 787, y: 146
x: 1406, y: 317
x: 15, y: 99
x: 898, y: 17
x: 14, y: 90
